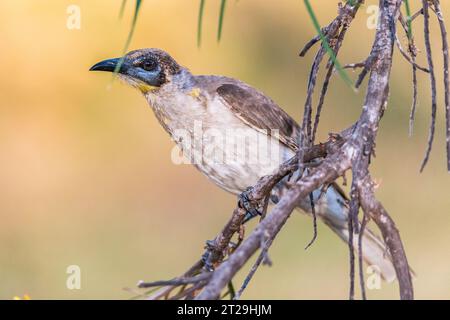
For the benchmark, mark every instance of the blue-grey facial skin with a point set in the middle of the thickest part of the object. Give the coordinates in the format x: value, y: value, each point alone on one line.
x: 132, y: 70
x: 152, y: 77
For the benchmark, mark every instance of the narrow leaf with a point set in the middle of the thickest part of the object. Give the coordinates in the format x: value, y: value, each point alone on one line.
x: 200, y: 22
x: 221, y: 15
x: 408, y: 18
x: 122, y: 8
x: 130, y: 35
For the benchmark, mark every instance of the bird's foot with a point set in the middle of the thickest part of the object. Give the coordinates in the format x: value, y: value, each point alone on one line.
x: 248, y: 205
x: 210, y: 245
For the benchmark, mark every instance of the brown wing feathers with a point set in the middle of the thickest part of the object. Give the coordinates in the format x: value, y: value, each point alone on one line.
x: 259, y: 112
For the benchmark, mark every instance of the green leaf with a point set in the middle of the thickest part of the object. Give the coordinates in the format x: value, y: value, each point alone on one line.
x: 130, y: 34
x: 122, y: 8
x: 221, y: 15
x: 133, y: 24
x: 408, y: 18
x: 326, y: 45
x: 200, y: 22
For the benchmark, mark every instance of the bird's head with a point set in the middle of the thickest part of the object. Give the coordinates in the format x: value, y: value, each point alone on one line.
x: 145, y: 69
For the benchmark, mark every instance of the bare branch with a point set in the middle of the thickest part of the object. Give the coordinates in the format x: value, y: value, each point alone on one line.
x: 413, y: 53
x: 329, y: 170
x: 443, y: 29
x: 426, y: 19
x: 335, y: 38
x: 360, y: 256
x: 355, y: 65
x: 352, y: 149
x: 390, y: 234
x: 407, y: 57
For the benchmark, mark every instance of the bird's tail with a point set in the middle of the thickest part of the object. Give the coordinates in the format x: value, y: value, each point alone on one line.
x: 374, y: 251
x: 331, y: 206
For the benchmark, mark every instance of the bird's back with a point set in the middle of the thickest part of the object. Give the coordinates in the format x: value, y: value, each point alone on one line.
x: 253, y: 107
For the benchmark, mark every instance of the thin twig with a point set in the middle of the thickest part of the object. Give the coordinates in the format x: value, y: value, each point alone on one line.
x: 356, y: 65
x: 175, y: 282
x: 351, y: 259
x: 360, y: 256
x: 352, y: 228
x: 367, y: 67
x: 445, y: 53
x: 413, y: 53
x: 334, y: 39
x: 312, y: 42
x: 426, y: 19
x: 313, y: 213
x: 407, y: 57
x: 415, y: 15
x: 347, y: 20
x: 255, y: 266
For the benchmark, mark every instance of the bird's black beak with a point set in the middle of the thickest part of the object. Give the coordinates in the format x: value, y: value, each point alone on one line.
x: 109, y: 65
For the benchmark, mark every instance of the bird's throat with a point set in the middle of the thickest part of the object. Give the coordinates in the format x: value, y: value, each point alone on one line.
x: 146, y: 88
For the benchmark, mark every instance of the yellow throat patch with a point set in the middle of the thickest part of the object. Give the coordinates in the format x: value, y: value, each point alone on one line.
x: 195, y: 93
x: 145, y: 88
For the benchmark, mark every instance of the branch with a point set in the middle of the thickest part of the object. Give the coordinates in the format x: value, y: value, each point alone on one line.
x: 221, y: 246
x: 346, y: 18
x: 413, y: 53
x: 334, y: 34
x: 426, y: 19
x: 438, y: 11
x: 408, y: 58
x: 378, y: 213
x: 350, y: 150
x: 351, y: 154
x: 365, y: 135
x: 330, y: 169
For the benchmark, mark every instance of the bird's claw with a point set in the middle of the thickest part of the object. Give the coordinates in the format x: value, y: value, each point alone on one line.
x: 209, y: 245
x: 248, y: 205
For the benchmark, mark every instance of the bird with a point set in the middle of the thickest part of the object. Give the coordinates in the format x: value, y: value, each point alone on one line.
x: 218, y: 106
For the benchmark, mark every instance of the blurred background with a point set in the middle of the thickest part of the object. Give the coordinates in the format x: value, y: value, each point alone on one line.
x: 86, y: 177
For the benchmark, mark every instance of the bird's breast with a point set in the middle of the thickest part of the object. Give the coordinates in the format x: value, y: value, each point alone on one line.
x: 219, y: 144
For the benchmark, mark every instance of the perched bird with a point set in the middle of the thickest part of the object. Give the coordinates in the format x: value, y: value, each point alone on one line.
x: 224, y: 107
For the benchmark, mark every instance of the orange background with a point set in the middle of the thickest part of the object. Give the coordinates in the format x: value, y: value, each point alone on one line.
x: 86, y: 176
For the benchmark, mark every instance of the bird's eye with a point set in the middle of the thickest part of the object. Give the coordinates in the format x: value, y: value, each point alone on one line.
x: 149, y: 65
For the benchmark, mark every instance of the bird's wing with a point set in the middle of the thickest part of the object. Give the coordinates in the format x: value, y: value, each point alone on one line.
x: 259, y: 112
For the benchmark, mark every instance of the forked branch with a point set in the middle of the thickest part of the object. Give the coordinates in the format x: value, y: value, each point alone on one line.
x: 351, y: 150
